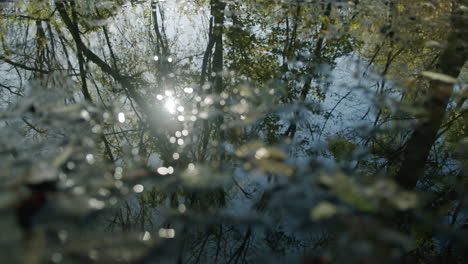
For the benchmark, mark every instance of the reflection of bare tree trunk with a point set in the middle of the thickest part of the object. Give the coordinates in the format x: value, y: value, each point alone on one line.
x: 162, y: 47
x: 84, y: 84
x: 212, y: 63
x: 207, y: 54
x: 218, y: 29
x: 129, y: 83
x: 450, y: 63
x: 217, y: 65
x: 242, y: 248
x: 40, y: 60
x: 215, y: 41
x: 291, y: 131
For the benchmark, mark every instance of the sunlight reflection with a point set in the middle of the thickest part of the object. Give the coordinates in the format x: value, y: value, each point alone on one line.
x: 188, y: 90
x: 138, y: 188
x: 163, y: 170
x: 121, y: 117
x: 166, y: 233
x: 146, y: 236
x: 170, y: 105
x: 182, y: 208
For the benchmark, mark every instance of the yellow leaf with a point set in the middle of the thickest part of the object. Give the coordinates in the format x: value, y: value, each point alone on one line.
x: 323, y: 211
x: 439, y: 77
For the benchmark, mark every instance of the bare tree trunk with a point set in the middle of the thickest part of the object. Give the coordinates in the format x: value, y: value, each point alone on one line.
x: 215, y: 41
x: 449, y: 63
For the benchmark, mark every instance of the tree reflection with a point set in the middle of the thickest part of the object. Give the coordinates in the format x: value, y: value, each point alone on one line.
x: 233, y: 131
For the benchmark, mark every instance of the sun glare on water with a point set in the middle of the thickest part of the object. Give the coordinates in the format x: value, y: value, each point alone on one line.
x: 170, y: 105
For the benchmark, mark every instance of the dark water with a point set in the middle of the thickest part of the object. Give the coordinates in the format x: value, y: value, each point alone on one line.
x: 233, y: 131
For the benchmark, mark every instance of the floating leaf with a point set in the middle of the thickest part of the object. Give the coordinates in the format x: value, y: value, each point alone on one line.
x: 275, y: 167
x: 439, y: 77
x: 323, y: 211
x: 62, y: 157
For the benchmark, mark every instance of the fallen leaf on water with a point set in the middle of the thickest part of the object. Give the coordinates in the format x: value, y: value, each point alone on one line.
x: 439, y: 77
x: 323, y: 210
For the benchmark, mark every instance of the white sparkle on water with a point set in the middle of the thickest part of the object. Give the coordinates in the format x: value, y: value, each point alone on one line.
x: 118, y: 173
x: 170, y: 105
x: 182, y: 208
x: 166, y: 233
x: 146, y: 236
x: 191, y: 166
x: 163, y: 170
x: 208, y: 101
x: 90, y: 158
x: 138, y: 188
x: 96, y: 204
x: 85, y: 115
x: 188, y: 90
x: 203, y: 115
x: 121, y: 117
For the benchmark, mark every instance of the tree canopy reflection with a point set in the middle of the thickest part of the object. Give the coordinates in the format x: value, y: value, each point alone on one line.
x: 233, y: 131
